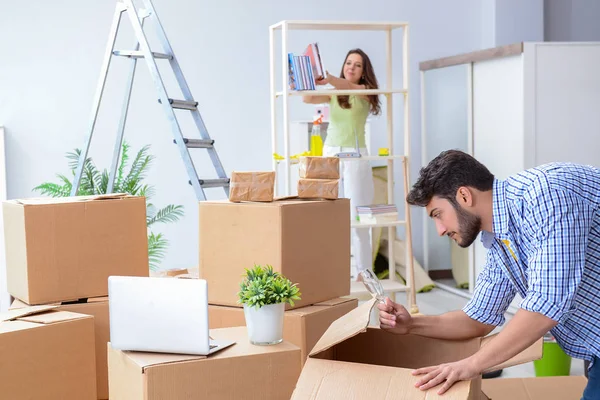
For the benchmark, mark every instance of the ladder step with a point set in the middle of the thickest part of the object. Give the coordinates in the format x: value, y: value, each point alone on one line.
x: 139, y: 54
x: 212, y: 183
x: 197, y: 143
x: 182, y: 104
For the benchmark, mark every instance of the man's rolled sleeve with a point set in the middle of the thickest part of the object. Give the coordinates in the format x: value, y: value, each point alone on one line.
x: 557, y: 261
x: 492, y: 296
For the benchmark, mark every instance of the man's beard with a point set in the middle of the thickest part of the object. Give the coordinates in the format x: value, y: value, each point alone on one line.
x: 469, y: 226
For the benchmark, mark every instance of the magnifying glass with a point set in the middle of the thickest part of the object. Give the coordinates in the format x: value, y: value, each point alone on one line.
x: 373, y: 284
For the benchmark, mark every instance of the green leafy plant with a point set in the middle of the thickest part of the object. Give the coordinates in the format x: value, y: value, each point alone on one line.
x: 128, y: 179
x: 263, y: 286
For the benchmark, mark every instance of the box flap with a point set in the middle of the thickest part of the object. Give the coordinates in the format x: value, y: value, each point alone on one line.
x: 53, y: 317
x: 145, y: 360
x: 345, y: 327
x: 547, y: 388
x: 19, y: 313
x: 74, y: 199
x: 533, y: 352
x: 333, y: 380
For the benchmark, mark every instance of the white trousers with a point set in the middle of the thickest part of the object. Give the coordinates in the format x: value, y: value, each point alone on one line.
x: 357, y: 185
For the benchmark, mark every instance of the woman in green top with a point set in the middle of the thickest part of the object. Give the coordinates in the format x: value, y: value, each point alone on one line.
x: 347, y: 118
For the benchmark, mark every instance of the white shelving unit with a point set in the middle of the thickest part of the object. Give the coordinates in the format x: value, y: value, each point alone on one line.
x: 391, y: 285
x: 4, y: 296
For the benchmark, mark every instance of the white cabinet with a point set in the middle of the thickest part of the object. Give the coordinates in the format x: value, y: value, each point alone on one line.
x: 530, y: 104
x: 4, y: 297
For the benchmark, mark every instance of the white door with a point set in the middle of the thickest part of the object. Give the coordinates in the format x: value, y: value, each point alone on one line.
x: 498, y: 123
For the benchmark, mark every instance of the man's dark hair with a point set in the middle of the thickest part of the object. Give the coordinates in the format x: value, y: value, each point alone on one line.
x: 442, y: 177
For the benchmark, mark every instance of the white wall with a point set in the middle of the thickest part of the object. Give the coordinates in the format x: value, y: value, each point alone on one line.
x: 52, y: 54
x: 510, y: 21
x: 571, y: 20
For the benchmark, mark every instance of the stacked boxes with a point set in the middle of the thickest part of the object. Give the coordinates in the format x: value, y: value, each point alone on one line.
x: 319, y: 178
x: 308, y: 241
x: 59, y: 254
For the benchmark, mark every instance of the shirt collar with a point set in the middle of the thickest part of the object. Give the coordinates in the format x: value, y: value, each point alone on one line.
x: 499, y: 208
x: 499, y: 215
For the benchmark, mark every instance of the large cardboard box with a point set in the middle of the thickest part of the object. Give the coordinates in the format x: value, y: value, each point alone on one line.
x: 308, y: 241
x: 301, y: 326
x: 47, y: 354
x: 62, y: 249
x: 97, y: 308
x: 352, y: 360
x: 242, y: 371
x: 546, y: 388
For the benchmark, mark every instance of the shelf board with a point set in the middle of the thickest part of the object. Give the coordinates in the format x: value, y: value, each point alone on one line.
x: 376, y: 225
x: 339, y: 25
x: 358, y: 289
x: 331, y: 92
x: 363, y: 158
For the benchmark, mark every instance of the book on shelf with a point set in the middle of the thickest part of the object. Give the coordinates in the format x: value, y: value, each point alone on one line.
x: 377, y: 213
x: 305, y: 69
x: 312, y: 51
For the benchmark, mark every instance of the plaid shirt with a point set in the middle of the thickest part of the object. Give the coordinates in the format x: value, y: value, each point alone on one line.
x: 545, y: 246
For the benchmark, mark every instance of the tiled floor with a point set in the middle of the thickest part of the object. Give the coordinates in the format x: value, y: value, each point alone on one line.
x: 439, y: 301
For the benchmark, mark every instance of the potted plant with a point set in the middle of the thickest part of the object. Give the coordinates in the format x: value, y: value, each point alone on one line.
x: 264, y: 293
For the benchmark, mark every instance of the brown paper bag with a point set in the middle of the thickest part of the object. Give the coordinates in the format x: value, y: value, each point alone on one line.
x: 318, y: 188
x: 252, y: 186
x: 319, y: 167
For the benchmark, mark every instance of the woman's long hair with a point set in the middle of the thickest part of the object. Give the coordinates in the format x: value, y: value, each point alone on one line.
x: 368, y: 79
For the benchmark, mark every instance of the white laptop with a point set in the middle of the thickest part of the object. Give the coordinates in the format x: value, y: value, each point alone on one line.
x: 163, y: 315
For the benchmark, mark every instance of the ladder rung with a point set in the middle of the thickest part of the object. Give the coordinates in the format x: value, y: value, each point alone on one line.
x: 197, y: 143
x: 139, y: 54
x: 182, y: 104
x: 212, y: 183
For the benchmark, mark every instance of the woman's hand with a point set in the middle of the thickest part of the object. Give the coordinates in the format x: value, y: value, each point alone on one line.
x: 451, y: 373
x: 324, y: 80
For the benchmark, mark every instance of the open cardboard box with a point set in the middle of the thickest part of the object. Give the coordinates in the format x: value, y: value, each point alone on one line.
x: 98, y: 308
x: 353, y: 360
x: 47, y: 354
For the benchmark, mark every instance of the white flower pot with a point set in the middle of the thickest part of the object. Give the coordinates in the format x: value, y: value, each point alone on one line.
x: 265, y: 324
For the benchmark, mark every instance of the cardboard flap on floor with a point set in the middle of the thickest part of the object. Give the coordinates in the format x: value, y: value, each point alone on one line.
x: 533, y: 352
x: 351, y: 324
x: 74, y: 199
x: 19, y: 313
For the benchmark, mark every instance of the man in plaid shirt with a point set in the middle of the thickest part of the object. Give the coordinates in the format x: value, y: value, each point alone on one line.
x: 542, y: 231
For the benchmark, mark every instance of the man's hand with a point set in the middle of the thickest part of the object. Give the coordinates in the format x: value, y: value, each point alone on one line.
x: 394, y: 317
x: 451, y: 373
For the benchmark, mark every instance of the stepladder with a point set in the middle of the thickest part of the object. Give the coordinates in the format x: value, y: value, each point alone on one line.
x: 169, y: 105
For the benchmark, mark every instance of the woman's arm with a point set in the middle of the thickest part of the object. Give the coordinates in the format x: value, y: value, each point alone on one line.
x: 316, y: 99
x: 341, y: 83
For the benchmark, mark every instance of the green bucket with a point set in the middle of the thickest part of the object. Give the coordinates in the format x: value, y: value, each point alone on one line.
x: 555, y: 362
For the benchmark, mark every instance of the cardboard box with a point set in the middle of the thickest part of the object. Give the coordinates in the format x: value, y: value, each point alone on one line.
x: 307, y: 241
x: 353, y: 361
x: 301, y: 326
x: 62, y: 249
x: 47, y: 355
x: 242, y: 371
x: 547, y: 388
x: 252, y: 186
x: 319, y: 167
x: 318, y: 188
x: 98, y: 308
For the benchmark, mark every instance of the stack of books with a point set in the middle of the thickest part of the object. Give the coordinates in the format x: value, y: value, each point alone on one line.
x: 305, y: 69
x: 377, y: 213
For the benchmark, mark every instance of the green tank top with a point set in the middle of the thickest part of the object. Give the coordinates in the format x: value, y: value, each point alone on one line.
x: 343, y: 122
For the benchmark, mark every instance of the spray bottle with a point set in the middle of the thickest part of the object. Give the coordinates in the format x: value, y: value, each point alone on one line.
x: 316, y: 142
